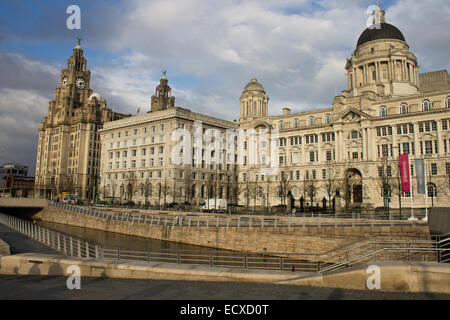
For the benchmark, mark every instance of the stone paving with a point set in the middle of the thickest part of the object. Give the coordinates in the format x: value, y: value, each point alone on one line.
x: 54, y: 287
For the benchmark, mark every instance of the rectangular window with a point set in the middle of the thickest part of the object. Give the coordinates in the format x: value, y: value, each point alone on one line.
x: 406, y: 148
x: 399, y: 129
x: 379, y: 132
x: 447, y: 168
x: 311, y: 156
x: 434, y: 169
x: 389, y: 131
x: 428, y: 147
x: 324, y: 173
x: 328, y: 155
x: 411, y: 128
x: 434, y: 126
x: 444, y: 125
x: 297, y: 173
x: 420, y: 127
x: 427, y: 127
x: 385, y: 150
x: 384, y: 131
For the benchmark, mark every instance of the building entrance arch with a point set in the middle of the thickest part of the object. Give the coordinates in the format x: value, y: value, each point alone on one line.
x: 353, y: 179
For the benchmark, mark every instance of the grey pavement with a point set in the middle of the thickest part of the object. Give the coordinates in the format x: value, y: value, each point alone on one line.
x: 54, y: 287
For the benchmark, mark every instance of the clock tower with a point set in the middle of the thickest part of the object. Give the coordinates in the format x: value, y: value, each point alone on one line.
x: 68, y: 155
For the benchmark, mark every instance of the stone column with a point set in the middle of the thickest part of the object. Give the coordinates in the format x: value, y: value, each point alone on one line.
x: 416, y: 141
x: 439, y: 137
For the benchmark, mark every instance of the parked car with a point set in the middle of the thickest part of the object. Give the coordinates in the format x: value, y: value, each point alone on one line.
x: 281, y: 208
x: 172, y: 205
x: 101, y: 204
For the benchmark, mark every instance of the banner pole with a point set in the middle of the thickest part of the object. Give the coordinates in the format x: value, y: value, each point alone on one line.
x: 410, y: 186
x: 426, y: 191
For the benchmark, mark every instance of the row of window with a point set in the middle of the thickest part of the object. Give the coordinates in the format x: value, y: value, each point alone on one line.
x: 136, y: 131
x: 312, y: 122
x: 404, y: 108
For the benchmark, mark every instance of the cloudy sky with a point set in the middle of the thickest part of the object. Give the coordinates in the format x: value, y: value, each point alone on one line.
x: 210, y: 49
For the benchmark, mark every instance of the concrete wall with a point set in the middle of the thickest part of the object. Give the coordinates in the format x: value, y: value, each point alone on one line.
x: 395, y: 276
x: 22, y: 203
x: 288, y: 240
x: 4, y: 248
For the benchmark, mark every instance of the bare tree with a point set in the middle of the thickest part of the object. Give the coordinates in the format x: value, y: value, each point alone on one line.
x: 147, y: 191
x: 331, y: 183
x: 113, y: 189
x: 165, y: 190
x: 187, y: 184
x: 131, y: 185
x: 268, y: 189
x: 310, y: 189
x: 246, y: 188
x: 284, y: 185
x: 385, y: 182
x: 396, y: 185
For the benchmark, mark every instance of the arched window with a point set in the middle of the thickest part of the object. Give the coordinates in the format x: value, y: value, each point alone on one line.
x: 328, y: 118
x: 404, y: 108
x: 281, y: 125
x: 296, y: 123
x: 447, y: 102
x: 431, y: 190
x: 355, y: 134
x: 254, y: 108
x: 383, y: 111
x: 311, y: 121
x: 425, y: 105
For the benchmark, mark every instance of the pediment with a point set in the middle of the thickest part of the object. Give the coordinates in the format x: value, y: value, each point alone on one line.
x: 351, y: 115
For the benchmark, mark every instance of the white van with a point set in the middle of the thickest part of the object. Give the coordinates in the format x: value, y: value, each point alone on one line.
x: 218, y: 205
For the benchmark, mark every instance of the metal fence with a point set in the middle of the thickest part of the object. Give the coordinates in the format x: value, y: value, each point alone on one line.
x: 229, y: 221
x: 352, y: 254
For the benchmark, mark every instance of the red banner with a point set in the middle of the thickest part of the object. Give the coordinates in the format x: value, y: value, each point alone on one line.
x: 403, y: 160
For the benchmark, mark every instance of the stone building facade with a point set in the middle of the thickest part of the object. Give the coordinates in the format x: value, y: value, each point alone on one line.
x: 68, y: 155
x: 138, y: 156
x: 351, y: 148
x: 386, y: 111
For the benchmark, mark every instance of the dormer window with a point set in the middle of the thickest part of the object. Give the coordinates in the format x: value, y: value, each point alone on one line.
x: 311, y: 121
x: 426, y: 105
x: 296, y: 123
x: 383, y: 111
x: 281, y: 125
x: 447, y: 102
x: 327, y: 118
x: 404, y: 108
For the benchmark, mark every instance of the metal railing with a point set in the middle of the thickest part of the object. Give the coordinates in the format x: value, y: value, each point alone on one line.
x: 349, y: 255
x: 227, y: 221
x: 61, y: 242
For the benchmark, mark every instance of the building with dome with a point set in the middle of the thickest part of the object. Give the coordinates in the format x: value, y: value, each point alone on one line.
x: 388, y: 109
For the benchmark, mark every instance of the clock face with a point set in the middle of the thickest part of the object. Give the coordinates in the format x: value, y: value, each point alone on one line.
x: 80, y: 83
x: 64, y: 82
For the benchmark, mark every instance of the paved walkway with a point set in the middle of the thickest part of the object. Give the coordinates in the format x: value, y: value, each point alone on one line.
x: 54, y: 287
x: 19, y: 243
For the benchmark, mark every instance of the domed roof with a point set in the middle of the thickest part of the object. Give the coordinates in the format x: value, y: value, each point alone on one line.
x: 254, y: 85
x: 96, y: 96
x: 380, y: 31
